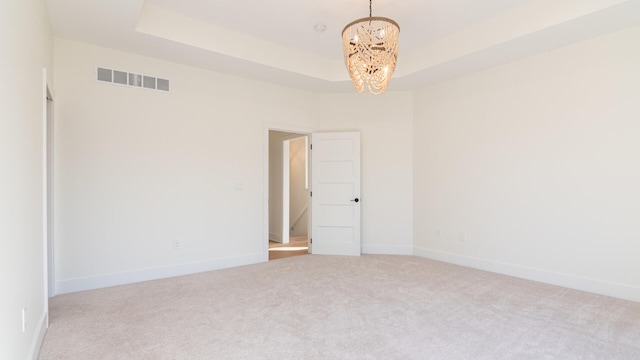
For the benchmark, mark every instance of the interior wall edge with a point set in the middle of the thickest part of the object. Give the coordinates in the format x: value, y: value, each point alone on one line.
x: 37, y: 341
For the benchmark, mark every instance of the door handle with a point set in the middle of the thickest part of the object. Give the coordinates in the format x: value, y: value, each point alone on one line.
x: 355, y: 200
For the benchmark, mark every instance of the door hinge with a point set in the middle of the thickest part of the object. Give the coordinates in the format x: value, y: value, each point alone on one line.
x: 311, y: 241
x: 311, y: 193
x: 311, y: 147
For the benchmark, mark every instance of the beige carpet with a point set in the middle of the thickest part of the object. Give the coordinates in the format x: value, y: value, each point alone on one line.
x: 326, y: 307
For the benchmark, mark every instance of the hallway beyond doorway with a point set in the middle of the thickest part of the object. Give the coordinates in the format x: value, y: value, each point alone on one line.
x: 298, y: 245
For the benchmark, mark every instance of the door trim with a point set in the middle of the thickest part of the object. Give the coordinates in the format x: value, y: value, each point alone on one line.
x: 286, y: 190
x: 47, y: 194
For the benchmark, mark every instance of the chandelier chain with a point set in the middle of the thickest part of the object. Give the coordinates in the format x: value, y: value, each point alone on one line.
x: 370, y: 8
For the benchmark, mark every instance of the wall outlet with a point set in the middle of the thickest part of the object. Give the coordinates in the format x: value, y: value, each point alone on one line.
x: 463, y: 236
x: 24, y: 319
x: 176, y: 244
x: 438, y: 233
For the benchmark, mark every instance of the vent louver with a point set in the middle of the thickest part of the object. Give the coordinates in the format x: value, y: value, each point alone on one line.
x: 130, y: 79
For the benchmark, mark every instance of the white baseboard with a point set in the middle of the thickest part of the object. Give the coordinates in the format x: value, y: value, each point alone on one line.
x: 387, y: 250
x: 102, y: 281
x: 275, y: 237
x: 34, y: 352
x: 621, y: 291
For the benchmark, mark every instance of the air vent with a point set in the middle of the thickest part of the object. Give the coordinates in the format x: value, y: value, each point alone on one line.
x: 135, y: 80
x: 131, y: 79
x: 120, y: 77
x: 163, y: 84
x: 105, y: 75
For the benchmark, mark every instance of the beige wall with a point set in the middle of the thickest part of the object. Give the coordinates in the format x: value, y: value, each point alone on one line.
x: 26, y: 48
x: 505, y: 157
x: 139, y: 169
x: 536, y: 162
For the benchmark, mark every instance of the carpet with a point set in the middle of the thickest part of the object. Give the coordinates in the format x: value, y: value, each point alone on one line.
x: 332, y: 307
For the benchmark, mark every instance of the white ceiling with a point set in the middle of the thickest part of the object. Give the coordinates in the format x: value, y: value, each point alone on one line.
x: 275, y: 40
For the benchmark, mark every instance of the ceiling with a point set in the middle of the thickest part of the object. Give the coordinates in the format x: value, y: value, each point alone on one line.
x: 276, y: 40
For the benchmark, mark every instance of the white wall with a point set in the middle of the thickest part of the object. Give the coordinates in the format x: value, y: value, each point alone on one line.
x: 537, y: 162
x: 138, y: 169
x: 532, y: 161
x: 385, y: 123
x: 26, y: 48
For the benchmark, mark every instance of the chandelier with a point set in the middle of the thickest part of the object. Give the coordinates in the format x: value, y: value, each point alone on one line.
x: 370, y: 51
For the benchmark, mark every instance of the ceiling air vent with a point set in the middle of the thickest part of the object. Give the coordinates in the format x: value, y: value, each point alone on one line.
x: 131, y: 79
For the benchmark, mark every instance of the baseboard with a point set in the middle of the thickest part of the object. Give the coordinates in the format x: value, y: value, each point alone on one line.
x: 621, y: 291
x: 275, y: 237
x: 41, y: 331
x: 102, y: 281
x: 387, y: 250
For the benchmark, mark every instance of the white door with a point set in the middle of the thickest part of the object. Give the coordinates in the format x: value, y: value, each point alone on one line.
x: 335, y: 187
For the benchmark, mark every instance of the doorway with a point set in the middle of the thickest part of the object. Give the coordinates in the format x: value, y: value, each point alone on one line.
x: 334, y: 214
x: 289, y: 204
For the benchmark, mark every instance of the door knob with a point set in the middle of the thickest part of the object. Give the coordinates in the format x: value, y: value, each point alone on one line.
x: 355, y: 200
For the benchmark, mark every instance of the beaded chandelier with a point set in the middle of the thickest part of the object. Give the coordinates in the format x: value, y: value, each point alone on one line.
x: 371, y: 51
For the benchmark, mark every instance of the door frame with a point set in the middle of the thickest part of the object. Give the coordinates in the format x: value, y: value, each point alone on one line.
x: 302, y: 130
x: 47, y: 193
x: 49, y: 178
x: 286, y: 186
x: 286, y: 190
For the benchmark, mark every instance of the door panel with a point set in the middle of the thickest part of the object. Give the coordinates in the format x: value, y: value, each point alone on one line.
x: 337, y: 235
x: 334, y: 193
x: 335, y: 181
x: 337, y: 216
x: 337, y: 170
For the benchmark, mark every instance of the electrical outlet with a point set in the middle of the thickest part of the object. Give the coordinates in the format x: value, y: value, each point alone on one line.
x: 438, y: 233
x: 463, y: 236
x: 24, y: 319
x: 176, y: 244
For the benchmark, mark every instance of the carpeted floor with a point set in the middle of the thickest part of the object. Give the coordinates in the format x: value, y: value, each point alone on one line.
x: 328, y: 307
